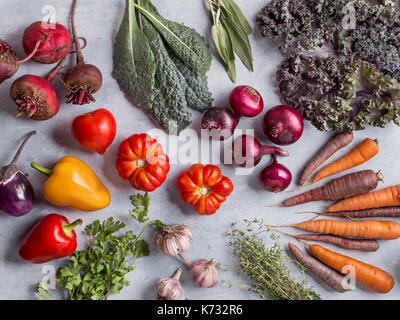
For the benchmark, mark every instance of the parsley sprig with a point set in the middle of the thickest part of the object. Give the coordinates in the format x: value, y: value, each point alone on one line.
x: 101, y: 269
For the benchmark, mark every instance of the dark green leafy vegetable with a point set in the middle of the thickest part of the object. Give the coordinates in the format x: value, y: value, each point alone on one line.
x: 342, y: 60
x: 161, y: 65
x: 229, y: 31
x: 100, y: 269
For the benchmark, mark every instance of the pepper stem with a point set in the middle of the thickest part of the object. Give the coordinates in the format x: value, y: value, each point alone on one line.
x: 41, y: 169
x: 67, y: 228
x: 30, y: 134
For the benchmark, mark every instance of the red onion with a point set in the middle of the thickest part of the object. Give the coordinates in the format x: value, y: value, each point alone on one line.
x: 283, y: 125
x: 246, y: 102
x: 247, y: 151
x: 220, y: 121
x: 276, y: 177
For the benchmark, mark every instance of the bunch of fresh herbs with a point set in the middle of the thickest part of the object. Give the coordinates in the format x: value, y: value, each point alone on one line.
x: 100, y: 269
x: 230, y: 30
x: 266, y: 266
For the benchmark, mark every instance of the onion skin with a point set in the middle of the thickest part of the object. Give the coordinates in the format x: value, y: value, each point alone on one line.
x: 220, y: 121
x: 55, y: 41
x: 8, y: 61
x: 246, y: 102
x: 276, y: 177
x: 283, y: 125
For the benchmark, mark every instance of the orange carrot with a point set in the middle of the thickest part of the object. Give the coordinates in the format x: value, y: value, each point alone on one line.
x: 369, y: 276
x: 387, y: 197
x: 370, y: 229
x: 367, y: 149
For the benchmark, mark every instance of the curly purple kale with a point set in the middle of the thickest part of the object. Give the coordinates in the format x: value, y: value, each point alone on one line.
x: 339, y: 95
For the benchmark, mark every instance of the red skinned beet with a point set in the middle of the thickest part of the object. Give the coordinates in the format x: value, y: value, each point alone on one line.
x: 8, y: 61
x: 83, y: 79
x: 95, y: 130
x: 47, y: 42
x: 36, y: 96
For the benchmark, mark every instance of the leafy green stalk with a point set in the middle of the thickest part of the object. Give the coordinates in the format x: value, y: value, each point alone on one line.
x: 100, y: 269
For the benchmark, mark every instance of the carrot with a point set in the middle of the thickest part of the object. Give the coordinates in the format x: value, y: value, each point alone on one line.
x: 367, y: 149
x: 326, y: 274
x: 384, y: 212
x: 370, y: 229
x: 337, y: 142
x: 387, y: 197
x: 349, y: 185
x: 369, y: 245
x: 370, y: 276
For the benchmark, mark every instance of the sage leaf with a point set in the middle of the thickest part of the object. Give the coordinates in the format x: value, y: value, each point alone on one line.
x: 227, y: 52
x: 237, y: 15
x: 240, y: 42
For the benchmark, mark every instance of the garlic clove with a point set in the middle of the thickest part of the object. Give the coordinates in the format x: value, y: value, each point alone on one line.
x: 204, y: 273
x: 173, y: 239
x: 170, y: 288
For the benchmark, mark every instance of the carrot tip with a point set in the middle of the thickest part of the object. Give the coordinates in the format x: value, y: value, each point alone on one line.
x: 275, y: 205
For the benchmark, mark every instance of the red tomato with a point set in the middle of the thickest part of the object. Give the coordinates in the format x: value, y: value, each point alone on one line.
x: 142, y: 161
x: 204, y: 188
x: 95, y: 130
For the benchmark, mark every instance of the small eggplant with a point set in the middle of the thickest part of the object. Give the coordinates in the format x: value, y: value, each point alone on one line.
x: 16, y: 191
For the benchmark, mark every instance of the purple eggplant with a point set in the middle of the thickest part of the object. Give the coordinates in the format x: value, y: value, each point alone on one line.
x: 16, y: 191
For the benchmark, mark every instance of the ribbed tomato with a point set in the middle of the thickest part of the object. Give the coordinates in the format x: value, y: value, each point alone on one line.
x: 204, y: 187
x: 141, y: 160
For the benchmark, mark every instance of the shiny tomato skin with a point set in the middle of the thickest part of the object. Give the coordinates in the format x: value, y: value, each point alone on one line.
x: 141, y: 160
x: 204, y: 187
x: 95, y: 130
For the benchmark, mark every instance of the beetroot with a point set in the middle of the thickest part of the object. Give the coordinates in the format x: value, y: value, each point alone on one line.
x: 83, y: 79
x: 36, y: 96
x: 8, y: 61
x: 46, y: 42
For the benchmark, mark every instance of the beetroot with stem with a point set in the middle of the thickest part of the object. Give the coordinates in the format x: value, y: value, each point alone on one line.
x: 247, y: 151
x: 46, y: 42
x: 83, y: 79
x: 9, y: 63
x: 36, y: 96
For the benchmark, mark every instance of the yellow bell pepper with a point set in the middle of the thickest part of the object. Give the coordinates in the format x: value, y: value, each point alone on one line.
x: 72, y: 183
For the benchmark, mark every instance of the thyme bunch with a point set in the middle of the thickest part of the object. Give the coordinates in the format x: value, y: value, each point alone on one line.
x: 266, y: 266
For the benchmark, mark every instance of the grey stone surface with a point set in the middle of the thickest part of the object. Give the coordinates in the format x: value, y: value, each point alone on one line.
x: 98, y: 21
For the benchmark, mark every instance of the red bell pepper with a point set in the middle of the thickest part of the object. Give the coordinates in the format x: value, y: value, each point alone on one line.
x: 53, y: 237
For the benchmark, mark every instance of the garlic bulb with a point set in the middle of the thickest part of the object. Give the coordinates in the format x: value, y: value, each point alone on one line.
x: 174, y: 239
x: 204, y: 273
x: 170, y: 288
